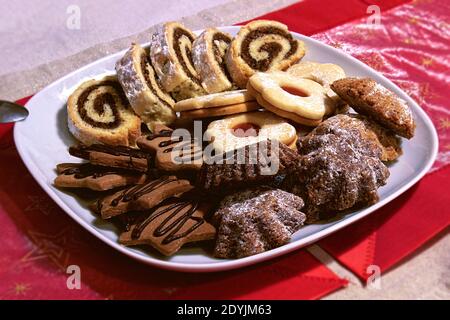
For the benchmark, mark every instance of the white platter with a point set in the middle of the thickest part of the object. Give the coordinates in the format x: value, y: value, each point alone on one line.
x: 43, y: 139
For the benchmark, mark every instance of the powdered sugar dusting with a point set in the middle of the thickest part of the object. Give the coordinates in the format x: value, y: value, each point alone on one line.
x: 256, y: 220
x: 339, y: 169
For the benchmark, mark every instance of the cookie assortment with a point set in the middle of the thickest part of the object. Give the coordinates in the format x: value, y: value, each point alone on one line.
x: 247, y: 143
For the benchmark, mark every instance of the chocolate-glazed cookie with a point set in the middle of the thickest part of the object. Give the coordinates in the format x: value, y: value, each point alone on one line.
x: 172, y: 153
x: 114, y: 156
x: 142, y: 197
x: 170, y: 225
x: 98, y: 178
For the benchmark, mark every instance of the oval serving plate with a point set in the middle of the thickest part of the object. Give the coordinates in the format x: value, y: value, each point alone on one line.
x: 43, y: 139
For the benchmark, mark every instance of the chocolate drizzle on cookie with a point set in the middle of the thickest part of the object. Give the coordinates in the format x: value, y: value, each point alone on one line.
x: 173, y: 223
x: 137, y: 191
x: 81, y: 171
x: 178, y: 34
x: 167, y: 145
x: 272, y: 48
x: 160, y: 134
x: 100, y: 101
x: 83, y: 152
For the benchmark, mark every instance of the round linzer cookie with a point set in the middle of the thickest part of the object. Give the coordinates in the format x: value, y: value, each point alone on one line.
x: 208, y: 56
x: 217, y: 104
x: 170, y: 53
x: 301, y: 100
x: 98, y: 112
x: 262, y: 45
x: 368, y: 97
x: 322, y: 73
x: 237, y: 131
x: 138, y: 80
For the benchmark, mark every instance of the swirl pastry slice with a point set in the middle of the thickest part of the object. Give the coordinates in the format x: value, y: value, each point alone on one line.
x: 170, y: 53
x: 208, y: 56
x: 138, y: 80
x: 262, y: 45
x: 98, y: 112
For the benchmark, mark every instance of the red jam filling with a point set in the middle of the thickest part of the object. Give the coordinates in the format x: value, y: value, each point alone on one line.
x: 295, y: 91
x: 246, y: 130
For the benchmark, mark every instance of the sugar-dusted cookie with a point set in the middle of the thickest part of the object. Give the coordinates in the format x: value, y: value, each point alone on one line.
x: 340, y: 168
x: 236, y: 131
x: 256, y: 220
x: 322, y: 73
x: 170, y: 225
x: 368, y: 97
x: 301, y: 100
x: 170, y: 53
x: 373, y: 136
x: 98, y: 178
x: 114, y: 156
x: 208, y: 56
x: 98, y: 112
x: 141, y: 197
x: 138, y: 80
x: 172, y: 153
x: 264, y: 46
x: 217, y: 104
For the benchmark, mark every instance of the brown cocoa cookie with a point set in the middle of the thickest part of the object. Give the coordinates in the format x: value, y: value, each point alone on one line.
x: 258, y: 163
x: 170, y: 225
x: 339, y: 170
x: 141, y: 197
x: 256, y: 220
x: 172, y: 153
x: 372, y: 136
x: 372, y: 99
x: 98, y: 178
x: 114, y: 156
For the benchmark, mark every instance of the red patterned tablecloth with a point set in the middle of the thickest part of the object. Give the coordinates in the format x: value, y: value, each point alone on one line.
x: 410, y: 46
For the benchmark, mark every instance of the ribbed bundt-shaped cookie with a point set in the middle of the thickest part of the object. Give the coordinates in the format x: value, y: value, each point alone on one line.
x: 339, y: 169
x: 261, y: 162
x: 256, y: 220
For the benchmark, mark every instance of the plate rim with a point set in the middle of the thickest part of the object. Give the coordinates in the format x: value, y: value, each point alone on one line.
x: 242, y: 262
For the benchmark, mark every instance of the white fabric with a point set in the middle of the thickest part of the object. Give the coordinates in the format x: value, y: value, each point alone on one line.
x: 37, y: 32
